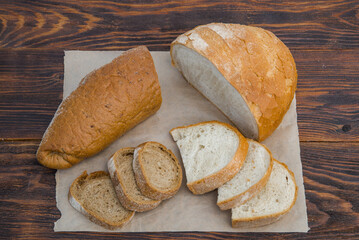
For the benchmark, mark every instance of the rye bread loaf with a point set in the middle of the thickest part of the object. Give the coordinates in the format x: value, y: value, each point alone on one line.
x: 250, y: 179
x: 94, y: 196
x: 247, y: 72
x: 108, y: 102
x: 157, y: 171
x: 123, y: 179
x: 212, y: 154
x: 274, y: 200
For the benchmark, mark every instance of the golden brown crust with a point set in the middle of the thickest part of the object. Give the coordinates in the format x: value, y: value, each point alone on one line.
x: 265, y: 220
x: 121, y: 190
x: 251, y: 223
x: 252, y: 191
x: 255, y: 62
x: 108, y: 102
x: 217, y: 179
x: 142, y: 179
x: 93, y: 217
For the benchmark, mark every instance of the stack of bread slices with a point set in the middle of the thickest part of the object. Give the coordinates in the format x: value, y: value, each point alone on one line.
x: 215, y: 155
x: 138, y: 180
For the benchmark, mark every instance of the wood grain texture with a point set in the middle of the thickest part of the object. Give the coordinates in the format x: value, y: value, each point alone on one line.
x: 327, y: 96
x: 322, y: 35
x: 331, y: 176
x: 57, y: 24
x: 31, y: 84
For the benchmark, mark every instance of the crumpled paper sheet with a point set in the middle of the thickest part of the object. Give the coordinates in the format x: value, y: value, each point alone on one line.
x: 182, y: 105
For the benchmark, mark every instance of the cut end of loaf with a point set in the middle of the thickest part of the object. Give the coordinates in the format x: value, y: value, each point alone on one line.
x: 207, y: 79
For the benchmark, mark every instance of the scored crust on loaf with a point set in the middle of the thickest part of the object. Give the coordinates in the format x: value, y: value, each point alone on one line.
x: 123, y: 179
x: 222, y: 60
x: 275, y: 199
x: 94, y: 196
x: 250, y: 179
x: 157, y: 171
x: 212, y: 154
x: 108, y: 102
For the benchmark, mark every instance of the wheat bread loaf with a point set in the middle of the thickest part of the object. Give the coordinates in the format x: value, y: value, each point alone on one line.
x: 247, y: 72
x: 94, y: 196
x: 250, y: 179
x: 124, y: 182
x: 276, y: 198
x: 212, y: 154
x: 108, y: 102
x: 157, y: 171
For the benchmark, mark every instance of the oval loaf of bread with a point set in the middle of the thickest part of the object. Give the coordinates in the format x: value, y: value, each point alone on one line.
x: 123, y: 179
x: 275, y: 199
x: 157, y: 171
x: 108, y: 102
x: 212, y: 154
x: 94, y: 196
x: 250, y: 179
x: 247, y: 72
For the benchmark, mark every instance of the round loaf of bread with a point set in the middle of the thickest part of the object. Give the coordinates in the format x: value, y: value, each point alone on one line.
x: 247, y: 72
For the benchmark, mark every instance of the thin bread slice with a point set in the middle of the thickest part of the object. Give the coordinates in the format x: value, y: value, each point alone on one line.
x: 275, y: 199
x: 94, y: 196
x: 157, y: 171
x: 249, y: 181
x: 212, y: 154
x: 123, y: 179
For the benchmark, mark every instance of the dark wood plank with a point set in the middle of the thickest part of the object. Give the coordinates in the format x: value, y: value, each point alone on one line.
x: 323, y: 37
x: 328, y: 95
x: 81, y: 24
x: 31, y: 89
x: 31, y: 84
x: 331, y: 176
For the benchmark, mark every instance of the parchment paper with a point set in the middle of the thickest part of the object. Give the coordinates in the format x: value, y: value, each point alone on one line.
x: 181, y: 105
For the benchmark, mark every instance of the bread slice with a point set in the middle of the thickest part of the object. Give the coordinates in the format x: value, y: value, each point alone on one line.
x: 123, y: 179
x: 247, y: 72
x: 94, y: 196
x: 157, y: 171
x: 212, y: 154
x: 250, y: 179
x: 275, y: 199
x: 107, y: 103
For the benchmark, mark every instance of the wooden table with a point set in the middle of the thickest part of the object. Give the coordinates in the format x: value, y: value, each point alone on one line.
x: 323, y: 37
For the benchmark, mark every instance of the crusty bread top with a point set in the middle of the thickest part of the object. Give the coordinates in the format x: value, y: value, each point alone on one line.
x: 255, y: 62
x: 108, y: 102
